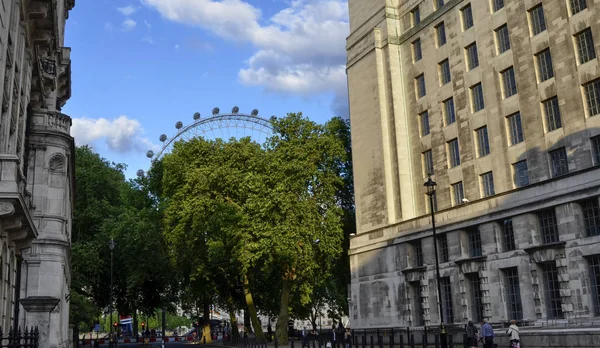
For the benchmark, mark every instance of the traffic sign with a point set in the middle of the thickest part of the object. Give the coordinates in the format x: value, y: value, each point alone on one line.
x: 97, y: 327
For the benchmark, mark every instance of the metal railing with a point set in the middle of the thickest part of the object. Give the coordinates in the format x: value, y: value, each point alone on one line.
x: 20, y: 339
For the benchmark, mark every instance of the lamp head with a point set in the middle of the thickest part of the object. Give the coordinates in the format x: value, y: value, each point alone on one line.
x: 430, y: 185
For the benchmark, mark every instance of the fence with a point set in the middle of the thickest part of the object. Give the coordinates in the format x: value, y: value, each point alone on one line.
x: 18, y: 339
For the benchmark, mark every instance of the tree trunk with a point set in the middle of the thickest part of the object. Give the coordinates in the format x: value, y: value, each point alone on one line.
x: 252, y: 311
x: 235, y: 334
x: 281, y: 328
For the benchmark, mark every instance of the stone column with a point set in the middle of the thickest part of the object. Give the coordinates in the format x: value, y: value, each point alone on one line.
x: 38, y: 310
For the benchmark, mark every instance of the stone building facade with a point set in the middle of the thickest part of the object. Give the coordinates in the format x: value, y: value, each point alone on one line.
x: 36, y: 169
x: 500, y: 101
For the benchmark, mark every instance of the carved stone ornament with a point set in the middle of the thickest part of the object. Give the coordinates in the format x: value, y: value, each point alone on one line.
x: 48, y: 66
x: 6, y: 208
x: 57, y: 163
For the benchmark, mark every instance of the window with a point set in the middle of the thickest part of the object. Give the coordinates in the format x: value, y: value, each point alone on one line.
x: 424, y: 118
x: 538, y: 21
x: 449, y: 114
x: 596, y: 148
x: 514, y: 306
x: 415, y: 16
x: 594, y: 269
x: 472, y: 57
x: 592, y: 95
x: 487, y: 184
x: 497, y: 4
x: 521, y: 175
x: 467, y: 17
x: 515, y: 129
x: 483, y: 143
x: 502, y: 39
x: 591, y: 216
x: 577, y: 6
x: 477, y: 305
x: 446, y: 289
x: 544, y: 62
x: 453, y: 153
x: 509, y: 235
x: 559, y: 162
x: 417, y: 53
x: 445, y: 76
x: 477, y: 97
x: 475, y: 249
x: 428, y: 162
x: 420, y: 84
x: 441, y: 34
x: 585, y: 46
x: 439, y: 4
x: 548, y: 226
x: 509, y: 83
x: 443, y: 246
x: 458, y: 194
x: 551, y: 290
x: 552, y: 113
x: 417, y: 249
x: 417, y: 312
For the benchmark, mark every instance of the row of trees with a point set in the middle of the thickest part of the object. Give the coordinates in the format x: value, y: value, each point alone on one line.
x: 260, y: 227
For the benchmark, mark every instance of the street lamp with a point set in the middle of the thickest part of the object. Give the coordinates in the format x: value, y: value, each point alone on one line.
x: 430, y: 185
x: 111, y: 246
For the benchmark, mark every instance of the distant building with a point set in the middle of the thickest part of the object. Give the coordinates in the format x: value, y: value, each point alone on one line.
x: 500, y: 101
x: 36, y: 169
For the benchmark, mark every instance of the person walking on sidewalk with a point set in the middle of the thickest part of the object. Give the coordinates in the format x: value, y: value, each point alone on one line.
x: 488, y: 334
x: 471, y: 332
x: 513, y: 334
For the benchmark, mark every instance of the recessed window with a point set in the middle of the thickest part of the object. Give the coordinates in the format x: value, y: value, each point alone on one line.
x: 428, y: 162
x: 476, y: 296
x: 441, y: 34
x: 415, y: 16
x: 458, y: 194
x: 538, y: 21
x: 585, y: 46
x: 594, y: 270
x: 483, y: 143
x: 487, y: 184
x: 420, y: 86
x: 475, y: 249
x: 467, y: 17
x: 472, y: 56
x: 477, y: 102
x: 544, y: 64
x: 439, y: 4
x: 509, y: 235
x: 512, y: 288
x: 444, y: 70
x: 591, y: 216
x: 417, y: 53
x: 502, y: 39
x: 497, y: 5
x: 596, y: 148
x: 429, y: 201
x: 447, y: 299
x: 515, y: 128
x: 424, y: 121
x: 559, y: 162
x: 520, y: 174
x: 552, y: 114
x: 453, y: 153
x: 509, y: 82
x: 552, y: 296
x: 592, y: 96
x: 443, y: 247
x: 577, y: 6
x: 449, y: 114
x: 548, y: 226
x: 417, y: 253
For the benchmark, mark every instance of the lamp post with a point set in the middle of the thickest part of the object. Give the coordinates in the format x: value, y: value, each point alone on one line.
x: 111, y: 246
x: 430, y: 185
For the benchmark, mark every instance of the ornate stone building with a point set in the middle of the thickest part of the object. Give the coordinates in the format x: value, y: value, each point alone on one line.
x: 36, y: 168
x: 500, y: 101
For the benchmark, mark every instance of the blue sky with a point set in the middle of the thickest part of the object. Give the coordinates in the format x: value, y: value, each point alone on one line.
x: 140, y: 66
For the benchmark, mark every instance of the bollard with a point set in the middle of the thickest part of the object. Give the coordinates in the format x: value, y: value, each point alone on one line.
x: 372, y: 343
x: 291, y: 343
x: 450, y: 338
x: 276, y: 342
x: 412, y: 341
x: 436, y: 340
x: 364, y: 340
x: 425, y: 339
x: 401, y: 338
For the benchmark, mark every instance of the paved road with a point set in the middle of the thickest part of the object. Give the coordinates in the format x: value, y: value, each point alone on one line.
x: 153, y: 344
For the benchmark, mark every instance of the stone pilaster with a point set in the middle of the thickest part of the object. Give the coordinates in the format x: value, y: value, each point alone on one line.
x: 39, y: 309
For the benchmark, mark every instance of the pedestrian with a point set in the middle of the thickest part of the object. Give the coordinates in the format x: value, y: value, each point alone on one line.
x: 333, y: 336
x: 304, y: 337
x: 513, y: 334
x: 348, y: 338
x: 471, y: 333
x: 488, y: 334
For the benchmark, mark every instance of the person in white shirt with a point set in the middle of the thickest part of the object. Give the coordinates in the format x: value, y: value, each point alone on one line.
x: 513, y: 334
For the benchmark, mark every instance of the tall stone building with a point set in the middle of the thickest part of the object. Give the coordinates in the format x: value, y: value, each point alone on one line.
x: 500, y: 101
x: 36, y: 169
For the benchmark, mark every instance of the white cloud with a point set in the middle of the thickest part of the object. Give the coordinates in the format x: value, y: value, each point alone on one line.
x: 129, y: 24
x: 121, y: 134
x: 148, y: 39
x: 148, y: 25
x: 299, y: 50
x: 108, y: 26
x: 127, y: 10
